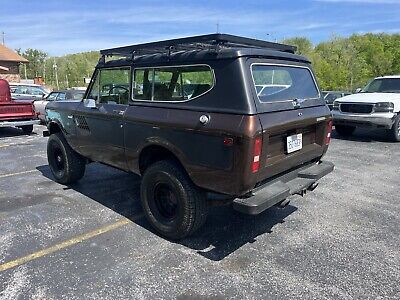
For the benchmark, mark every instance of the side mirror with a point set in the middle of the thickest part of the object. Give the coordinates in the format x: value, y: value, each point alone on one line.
x: 358, y: 90
x: 89, y: 103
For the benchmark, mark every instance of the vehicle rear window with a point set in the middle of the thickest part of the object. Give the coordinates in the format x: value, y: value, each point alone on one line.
x: 280, y: 83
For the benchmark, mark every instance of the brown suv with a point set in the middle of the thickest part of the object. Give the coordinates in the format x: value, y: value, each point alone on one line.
x: 200, y: 118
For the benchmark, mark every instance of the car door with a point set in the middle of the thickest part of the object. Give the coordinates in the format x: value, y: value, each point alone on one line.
x: 20, y: 93
x: 36, y: 93
x: 99, y: 130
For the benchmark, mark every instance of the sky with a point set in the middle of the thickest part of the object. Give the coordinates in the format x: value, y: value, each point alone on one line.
x: 71, y: 26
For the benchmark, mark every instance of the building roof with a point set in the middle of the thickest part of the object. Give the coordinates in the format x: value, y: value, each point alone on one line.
x: 6, y: 54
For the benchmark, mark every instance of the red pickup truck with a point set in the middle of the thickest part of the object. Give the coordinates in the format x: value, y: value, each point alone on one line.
x: 15, y: 114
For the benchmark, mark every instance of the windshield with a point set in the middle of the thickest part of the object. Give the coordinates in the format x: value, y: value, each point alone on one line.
x: 280, y: 83
x: 383, y: 85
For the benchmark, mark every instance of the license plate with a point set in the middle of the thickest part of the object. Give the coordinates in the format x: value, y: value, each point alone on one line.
x: 294, y: 142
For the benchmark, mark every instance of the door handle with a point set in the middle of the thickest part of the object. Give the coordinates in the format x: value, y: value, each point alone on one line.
x: 117, y: 111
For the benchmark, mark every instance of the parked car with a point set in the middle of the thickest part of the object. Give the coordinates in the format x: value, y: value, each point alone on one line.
x: 193, y: 123
x: 64, y: 95
x: 27, y: 92
x: 15, y: 114
x: 376, y: 106
x: 330, y: 96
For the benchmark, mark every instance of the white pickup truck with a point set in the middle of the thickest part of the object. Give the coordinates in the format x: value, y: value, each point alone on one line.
x: 375, y: 106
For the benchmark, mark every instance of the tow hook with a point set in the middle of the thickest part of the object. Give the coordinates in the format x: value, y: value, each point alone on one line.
x: 313, y: 186
x: 283, y: 203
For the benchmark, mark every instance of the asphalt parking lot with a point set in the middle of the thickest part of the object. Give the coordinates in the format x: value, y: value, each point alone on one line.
x: 91, y: 241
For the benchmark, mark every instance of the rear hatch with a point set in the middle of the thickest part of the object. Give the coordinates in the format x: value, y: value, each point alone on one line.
x: 294, y: 118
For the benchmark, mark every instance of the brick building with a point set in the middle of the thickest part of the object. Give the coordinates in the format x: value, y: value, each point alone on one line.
x: 9, y: 64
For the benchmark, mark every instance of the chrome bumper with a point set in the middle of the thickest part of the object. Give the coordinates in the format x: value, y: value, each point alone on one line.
x: 18, y: 123
x: 384, y: 120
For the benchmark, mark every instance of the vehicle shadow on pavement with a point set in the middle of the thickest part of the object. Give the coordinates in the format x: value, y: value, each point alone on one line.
x: 227, y: 230
x: 112, y: 188
x: 12, y: 132
x: 364, y: 135
x: 224, y: 232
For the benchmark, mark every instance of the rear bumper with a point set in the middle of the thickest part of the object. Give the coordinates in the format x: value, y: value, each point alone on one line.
x: 18, y: 123
x: 383, y: 120
x: 272, y: 193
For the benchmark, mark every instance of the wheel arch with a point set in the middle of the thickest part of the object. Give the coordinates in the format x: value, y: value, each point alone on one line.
x: 153, y: 153
x: 54, y: 127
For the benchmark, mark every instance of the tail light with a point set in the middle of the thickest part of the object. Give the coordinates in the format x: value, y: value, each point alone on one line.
x: 256, y: 155
x: 328, y: 132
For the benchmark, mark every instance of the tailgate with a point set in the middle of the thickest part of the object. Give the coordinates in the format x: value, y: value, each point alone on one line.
x: 310, y: 123
x: 16, y: 110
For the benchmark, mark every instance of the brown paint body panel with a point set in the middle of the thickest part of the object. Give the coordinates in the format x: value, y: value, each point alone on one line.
x: 200, y: 148
x: 118, y: 135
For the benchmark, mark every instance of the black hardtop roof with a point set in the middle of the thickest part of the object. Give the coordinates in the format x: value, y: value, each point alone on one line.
x: 213, y: 42
x: 68, y: 91
x: 199, y: 48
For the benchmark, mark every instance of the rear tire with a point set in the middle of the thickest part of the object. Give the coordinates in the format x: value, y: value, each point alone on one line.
x: 27, y: 129
x: 395, y: 130
x: 66, y: 165
x: 344, y: 130
x: 172, y: 204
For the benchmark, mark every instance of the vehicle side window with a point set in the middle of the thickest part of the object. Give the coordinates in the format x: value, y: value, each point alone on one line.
x: 172, y: 84
x: 52, y: 97
x: 61, y: 97
x: 94, y: 89
x: 21, y: 90
x: 36, y: 91
x: 114, y: 86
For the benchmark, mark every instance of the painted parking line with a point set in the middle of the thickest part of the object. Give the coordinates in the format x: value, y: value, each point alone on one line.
x: 17, y: 173
x: 68, y: 243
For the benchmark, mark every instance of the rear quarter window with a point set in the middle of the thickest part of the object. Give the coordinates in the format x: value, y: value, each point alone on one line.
x: 172, y: 84
x: 274, y: 83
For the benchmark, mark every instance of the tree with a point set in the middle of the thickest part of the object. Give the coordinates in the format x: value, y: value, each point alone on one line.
x: 304, y: 45
x: 36, y: 60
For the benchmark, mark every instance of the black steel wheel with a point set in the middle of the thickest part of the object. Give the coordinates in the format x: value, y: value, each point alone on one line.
x: 172, y: 204
x: 66, y: 165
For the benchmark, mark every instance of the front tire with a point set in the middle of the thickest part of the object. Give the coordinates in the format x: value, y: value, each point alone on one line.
x: 66, y: 165
x: 344, y: 130
x: 27, y: 129
x: 395, y: 130
x: 172, y: 204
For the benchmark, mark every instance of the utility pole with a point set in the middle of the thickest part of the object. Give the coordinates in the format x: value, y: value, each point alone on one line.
x: 66, y: 78
x: 55, y: 67
x: 26, y: 77
x: 3, y: 37
x: 217, y: 26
